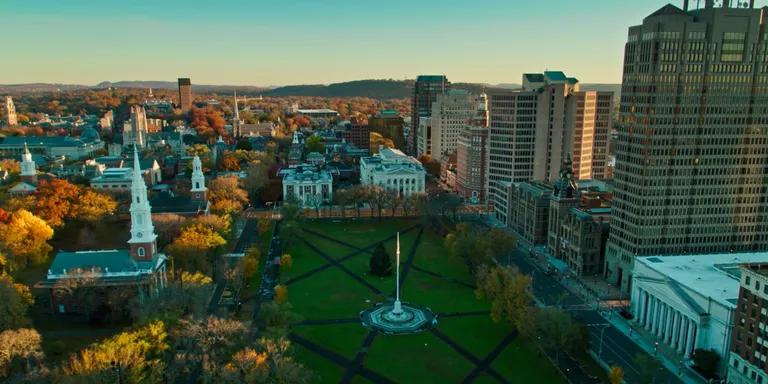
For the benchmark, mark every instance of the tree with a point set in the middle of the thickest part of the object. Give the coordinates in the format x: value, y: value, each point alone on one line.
x: 281, y: 294
x: 129, y: 357
x: 226, y: 195
x: 55, y: 200
x: 194, y: 249
x: 184, y: 296
x: 208, y: 122
x: 168, y: 227
x: 342, y: 197
x: 706, y: 362
x: 209, y: 342
x: 93, y: 206
x: 394, y: 200
x: 380, y: 264
x: 431, y: 165
x: 256, y: 178
x: 315, y: 144
x: 13, y: 307
x: 277, y: 318
x: 20, y: 352
x: 269, y: 361
x: 360, y: 195
x: 25, y: 239
x: 558, y: 331
x: 616, y: 375
x: 265, y: 223
x: 251, y: 262
x: 647, y: 367
x: 286, y: 261
x: 508, y: 291
x: 379, y: 198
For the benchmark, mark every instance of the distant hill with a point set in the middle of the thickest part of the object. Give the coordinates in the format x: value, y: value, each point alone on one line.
x: 39, y: 87
x: 377, y: 89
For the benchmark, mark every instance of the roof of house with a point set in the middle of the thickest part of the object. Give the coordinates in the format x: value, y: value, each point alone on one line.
x: 109, y: 266
x: 46, y: 141
x: 668, y: 10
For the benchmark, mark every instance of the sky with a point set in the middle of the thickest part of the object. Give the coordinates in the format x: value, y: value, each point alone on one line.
x: 280, y: 42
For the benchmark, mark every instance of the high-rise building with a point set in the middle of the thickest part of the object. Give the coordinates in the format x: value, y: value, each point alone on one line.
x: 746, y: 363
x: 185, y: 94
x: 9, y: 112
x: 425, y: 92
x: 451, y: 112
x: 533, y: 129
x: 471, y: 155
x: 691, y: 164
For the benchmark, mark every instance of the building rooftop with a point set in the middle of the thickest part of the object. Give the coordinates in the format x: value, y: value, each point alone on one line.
x: 715, y: 276
x: 45, y: 141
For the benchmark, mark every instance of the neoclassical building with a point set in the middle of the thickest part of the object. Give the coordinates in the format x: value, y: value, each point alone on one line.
x: 391, y: 169
x: 689, y: 302
x: 308, y: 185
x: 140, y: 266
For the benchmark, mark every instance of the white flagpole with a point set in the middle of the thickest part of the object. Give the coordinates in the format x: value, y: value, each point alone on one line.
x: 397, y: 308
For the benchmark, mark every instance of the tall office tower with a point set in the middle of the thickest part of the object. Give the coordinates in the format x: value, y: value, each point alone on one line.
x: 425, y: 92
x: 9, y: 112
x: 533, y: 129
x: 691, y: 163
x: 471, y: 157
x: 185, y: 94
x: 451, y: 111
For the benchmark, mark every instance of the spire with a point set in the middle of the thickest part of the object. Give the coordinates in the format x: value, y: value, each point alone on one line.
x: 565, y: 186
x: 28, y: 167
x: 136, y: 165
x: 397, y: 308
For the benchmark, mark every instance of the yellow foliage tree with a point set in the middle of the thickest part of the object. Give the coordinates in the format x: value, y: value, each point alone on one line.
x: 25, y: 238
x: 281, y: 294
x: 508, y: 291
x: 93, y: 206
x: 137, y: 356
x: 193, y: 246
x: 616, y: 375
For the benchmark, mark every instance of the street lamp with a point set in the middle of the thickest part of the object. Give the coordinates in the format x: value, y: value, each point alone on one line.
x: 655, y: 348
x: 116, y: 369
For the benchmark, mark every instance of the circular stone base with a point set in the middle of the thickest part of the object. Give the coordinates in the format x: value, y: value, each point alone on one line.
x: 412, y: 319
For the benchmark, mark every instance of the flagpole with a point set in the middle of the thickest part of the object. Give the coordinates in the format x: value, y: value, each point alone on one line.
x: 397, y: 308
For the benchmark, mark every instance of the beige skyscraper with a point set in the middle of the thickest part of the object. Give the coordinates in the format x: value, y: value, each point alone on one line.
x: 692, y: 147
x: 9, y: 112
x: 533, y: 129
x: 451, y: 111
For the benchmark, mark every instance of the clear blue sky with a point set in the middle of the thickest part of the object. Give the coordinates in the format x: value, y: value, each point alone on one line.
x: 277, y: 42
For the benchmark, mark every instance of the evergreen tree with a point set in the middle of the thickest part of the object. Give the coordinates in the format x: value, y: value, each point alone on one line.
x: 381, y: 265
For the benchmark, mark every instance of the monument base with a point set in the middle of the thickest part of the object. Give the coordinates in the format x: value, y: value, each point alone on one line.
x: 411, y: 319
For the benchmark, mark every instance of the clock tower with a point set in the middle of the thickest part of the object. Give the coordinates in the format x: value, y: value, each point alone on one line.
x: 199, y: 191
x: 142, y: 242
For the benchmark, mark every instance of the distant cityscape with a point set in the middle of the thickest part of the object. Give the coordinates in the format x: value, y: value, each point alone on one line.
x: 540, y: 231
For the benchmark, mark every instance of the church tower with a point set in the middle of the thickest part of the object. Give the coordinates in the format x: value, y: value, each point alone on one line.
x: 142, y: 242
x: 565, y: 195
x: 28, y: 169
x: 236, y: 123
x: 199, y: 191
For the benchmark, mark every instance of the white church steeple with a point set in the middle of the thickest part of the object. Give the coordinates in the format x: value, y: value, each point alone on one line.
x: 199, y: 191
x: 236, y: 123
x: 28, y: 168
x: 142, y: 242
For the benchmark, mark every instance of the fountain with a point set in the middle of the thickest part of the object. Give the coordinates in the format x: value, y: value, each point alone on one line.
x: 393, y: 318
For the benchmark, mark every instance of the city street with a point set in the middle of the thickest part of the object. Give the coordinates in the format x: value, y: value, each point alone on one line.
x: 617, y: 348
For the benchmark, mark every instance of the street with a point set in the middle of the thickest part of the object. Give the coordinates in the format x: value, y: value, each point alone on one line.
x: 617, y: 348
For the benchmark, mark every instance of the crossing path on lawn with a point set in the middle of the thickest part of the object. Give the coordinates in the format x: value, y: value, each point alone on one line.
x: 356, y: 366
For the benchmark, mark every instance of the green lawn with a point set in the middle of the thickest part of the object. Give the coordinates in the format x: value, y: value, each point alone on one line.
x: 333, y: 294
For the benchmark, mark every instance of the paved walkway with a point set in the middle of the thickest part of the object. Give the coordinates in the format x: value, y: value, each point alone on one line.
x: 356, y: 366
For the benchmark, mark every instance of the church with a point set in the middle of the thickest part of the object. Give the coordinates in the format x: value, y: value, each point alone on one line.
x: 141, y: 266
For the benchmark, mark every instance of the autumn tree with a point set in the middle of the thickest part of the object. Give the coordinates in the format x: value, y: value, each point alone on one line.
x: 208, y: 343
x: 251, y: 262
x: 269, y: 361
x: 93, y: 206
x: 25, y: 239
x: 129, y: 357
x: 558, y: 331
x: 208, y: 122
x: 508, y: 291
x: 281, y: 294
x: 256, y: 177
x: 55, y: 200
x: 21, y: 353
x: 226, y: 195
x: 168, y: 227
x: 277, y: 318
x: 616, y: 375
x: 194, y: 249
x: 286, y: 261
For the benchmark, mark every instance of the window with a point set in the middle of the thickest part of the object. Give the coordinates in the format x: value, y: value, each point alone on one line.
x: 140, y: 252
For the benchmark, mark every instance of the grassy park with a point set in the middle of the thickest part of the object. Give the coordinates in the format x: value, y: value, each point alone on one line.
x: 328, y: 285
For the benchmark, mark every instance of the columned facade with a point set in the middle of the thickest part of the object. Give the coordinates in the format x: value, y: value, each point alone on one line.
x: 671, y: 326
